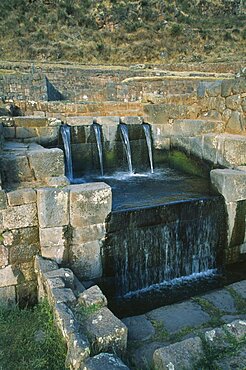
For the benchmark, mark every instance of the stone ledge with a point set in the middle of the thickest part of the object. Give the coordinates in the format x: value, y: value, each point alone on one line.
x: 230, y: 183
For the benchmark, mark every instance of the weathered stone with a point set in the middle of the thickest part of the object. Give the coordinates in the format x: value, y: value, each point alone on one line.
x: 23, y: 253
x: 52, y: 237
x: 105, y: 332
x: 227, y: 319
x: 4, y: 256
x: 31, y: 121
x: 233, y: 102
x: 240, y: 288
x: 89, y: 204
x: 8, y: 277
x: 86, y: 260
x: 22, y: 196
x: 64, y: 273
x: 92, y: 296
x: 20, y: 170
x: 226, y: 115
x: 78, y: 351
x: 105, y: 361
x: 20, y: 216
x: 217, y: 339
x: 234, y: 123
x: 237, y: 329
x: 57, y: 253
x: 235, y: 361
x: 226, y: 87
x: 213, y: 88
x: 27, y: 270
x: 230, y: 183
x: 187, y: 127
x: 42, y: 265
x: 89, y: 233
x: 52, y: 207
x: 142, y: 357
x: 46, y: 162
x: 3, y: 200
x: 179, y: 316
x: 234, y: 150
x: 62, y: 295
x: 7, y: 295
x: 139, y: 328
x: 55, y: 283
x: 59, y: 181
x: 181, y: 355
x: 216, y: 104
x: 222, y: 300
x: 65, y: 320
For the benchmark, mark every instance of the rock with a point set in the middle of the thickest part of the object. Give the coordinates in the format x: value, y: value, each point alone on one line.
x: 231, y: 362
x: 229, y: 318
x: 42, y: 265
x: 20, y: 170
x: 106, y: 332
x: 142, y: 357
x: 226, y: 87
x: 216, y: 104
x: 92, y: 296
x: 7, y: 296
x: 234, y: 123
x: 89, y: 204
x: 234, y: 150
x: 53, y: 243
x: 20, y: 216
x: 58, y: 181
x: 8, y: 277
x: 217, y: 339
x: 233, y: 102
x: 3, y: 199
x: 57, y: 253
x: 46, y: 162
x: 85, y: 260
x: 61, y: 295
x: 78, y: 351
x: 240, y: 288
x: 65, y: 320
x: 64, y: 273
x: 179, y: 316
x: 104, y: 361
x: 237, y: 329
x: 53, y: 207
x: 222, y: 300
x: 229, y: 183
x: 182, y: 355
x: 139, y: 328
x: 82, y: 235
x: 22, y: 196
x: 188, y: 127
x: 4, y: 256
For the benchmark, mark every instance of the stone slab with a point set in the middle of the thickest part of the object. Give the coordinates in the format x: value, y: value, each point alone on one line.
x: 20, y: 216
x: 62, y: 295
x: 22, y: 196
x: 179, y: 316
x: 182, y: 355
x: 64, y: 273
x: 92, y: 296
x: 52, y: 237
x: 240, y: 288
x: 52, y: 206
x: 7, y: 295
x: 8, y: 277
x: 222, y: 300
x: 86, y: 261
x: 104, y: 361
x: 139, y: 328
x: 230, y: 183
x: 46, y: 162
x: 142, y: 357
x: 65, y: 320
x: 56, y: 253
x: 43, y: 265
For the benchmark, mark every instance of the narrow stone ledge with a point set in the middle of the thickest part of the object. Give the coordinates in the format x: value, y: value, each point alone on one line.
x: 230, y: 183
x: 22, y: 196
x: 92, y: 296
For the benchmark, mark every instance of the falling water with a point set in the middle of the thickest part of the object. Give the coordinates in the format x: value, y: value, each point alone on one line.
x: 66, y: 137
x: 147, y: 133
x: 97, y: 130
x: 126, y: 144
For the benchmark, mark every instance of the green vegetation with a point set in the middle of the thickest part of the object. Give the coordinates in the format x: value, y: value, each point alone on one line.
x: 29, y: 340
x: 83, y: 312
x: 90, y: 31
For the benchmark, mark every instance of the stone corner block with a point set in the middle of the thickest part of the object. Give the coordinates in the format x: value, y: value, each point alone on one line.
x: 230, y: 183
x: 43, y: 265
x: 92, y: 296
x: 46, y: 162
x: 181, y: 355
x: 78, y: 351
x: 89, y: 203
x: 52, y: 206
x: 106, y: 333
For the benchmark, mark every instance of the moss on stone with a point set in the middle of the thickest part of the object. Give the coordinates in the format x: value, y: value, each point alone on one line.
x: 185, y: 163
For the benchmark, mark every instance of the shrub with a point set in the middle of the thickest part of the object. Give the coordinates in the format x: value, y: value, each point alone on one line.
x: 176, y: 29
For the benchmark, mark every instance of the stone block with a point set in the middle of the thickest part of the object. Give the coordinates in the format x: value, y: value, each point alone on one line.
x: 20, y: 170
x: 52, y: 237
x: 222, y: 300
x: 61, y: 295
x: 78, y: 351
x: 139, y: 328
x: 52, y: 206
x: 237, y: 329
x: 7, y: 296
x: 82, y: 235
x: 105, y: 361
x: 233, y: 102
x: 27, y: 270
x: 31, y: 121
x: 9, y: 132
x: 226, y: 87
x: 56, y: 182
x: 3, y: 199
x: 213, y: 88
x: 106, y: 332
x: 4, y: 256
x: 8, y: 277
x: 92, y: 296
x: 65, y: 320
x: 235, y: 150
x: 22, y: 196
x: 234, y: 123
x: 240, y: 288
x: 188, y: 127
x: 25, y: 132
x: 57, y: 253
x: 181, y: 355
x: 20, y: 216
x: 43, y: 265
x: 89, y: 204
x: 216, y: 104
x: 46, y: 162
x: 85, y: 260
x: 64, y: 273
x: 229, y: 183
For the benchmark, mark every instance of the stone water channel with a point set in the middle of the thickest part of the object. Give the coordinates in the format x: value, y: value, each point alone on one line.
x: 69, y: 225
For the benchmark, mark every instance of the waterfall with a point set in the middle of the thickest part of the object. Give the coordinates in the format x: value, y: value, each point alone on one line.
x: 66, y: 137
x: 178, y: 240
x: 126, y: 145
x: 147, y: 133
x: 97, y: 130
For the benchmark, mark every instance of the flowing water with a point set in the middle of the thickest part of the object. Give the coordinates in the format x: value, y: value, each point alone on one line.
x: 66, y: 137
x: 147, y: 133
x: 126, y: 144
x: 97, y: 130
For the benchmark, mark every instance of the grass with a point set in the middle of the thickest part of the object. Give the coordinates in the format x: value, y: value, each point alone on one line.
x: 29, y: 340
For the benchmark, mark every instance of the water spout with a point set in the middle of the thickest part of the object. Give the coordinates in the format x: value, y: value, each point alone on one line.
x: 97, y: 130
x: 126, y: 145
x: 147, y: 133
x: 66, y: 137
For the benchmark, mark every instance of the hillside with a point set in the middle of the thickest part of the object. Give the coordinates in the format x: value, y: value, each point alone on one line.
x: 109, y: 31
